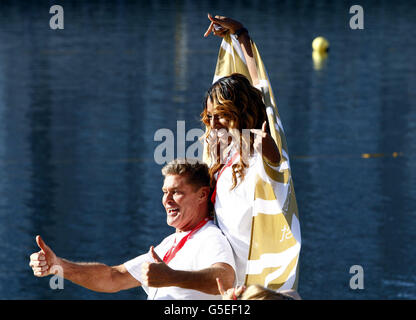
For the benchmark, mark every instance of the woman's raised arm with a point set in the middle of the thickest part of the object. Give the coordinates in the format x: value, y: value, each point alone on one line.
x: 220, y: 25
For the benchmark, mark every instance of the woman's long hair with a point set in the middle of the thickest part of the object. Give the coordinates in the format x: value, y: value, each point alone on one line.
x: 237, y: 101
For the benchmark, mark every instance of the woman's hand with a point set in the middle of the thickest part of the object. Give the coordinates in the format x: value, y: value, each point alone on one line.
x: 219, y: 26
x: 265, y: 145
x: 230, y: 294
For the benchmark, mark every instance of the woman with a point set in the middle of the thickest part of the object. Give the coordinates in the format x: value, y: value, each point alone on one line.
x: 250, y: 173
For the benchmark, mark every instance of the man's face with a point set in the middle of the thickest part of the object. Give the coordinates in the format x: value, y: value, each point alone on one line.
x: 181, y: 202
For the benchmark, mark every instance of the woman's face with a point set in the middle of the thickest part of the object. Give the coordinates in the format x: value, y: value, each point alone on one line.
x: 215, y: 121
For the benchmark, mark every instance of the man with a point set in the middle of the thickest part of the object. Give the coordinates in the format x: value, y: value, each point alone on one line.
x: 193, y: 257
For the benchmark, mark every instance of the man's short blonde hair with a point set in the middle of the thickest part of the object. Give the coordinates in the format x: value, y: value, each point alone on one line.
x: 197, y: 173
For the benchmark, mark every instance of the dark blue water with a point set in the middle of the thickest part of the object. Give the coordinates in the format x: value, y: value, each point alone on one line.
x: 79, y: 108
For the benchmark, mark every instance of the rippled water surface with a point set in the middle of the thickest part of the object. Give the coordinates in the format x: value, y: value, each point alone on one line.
x: 79, y: 108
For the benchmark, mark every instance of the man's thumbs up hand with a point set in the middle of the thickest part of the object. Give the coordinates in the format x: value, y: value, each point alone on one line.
x: 42, y: 261
x: 156, y: 274
x: 154, y: 255
x: 42, y: 245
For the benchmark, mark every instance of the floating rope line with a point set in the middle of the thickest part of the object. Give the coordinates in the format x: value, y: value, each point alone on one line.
x: 379, y: 155
x: 362, y: 155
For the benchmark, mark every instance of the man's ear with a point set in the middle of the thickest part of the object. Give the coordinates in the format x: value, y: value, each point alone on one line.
x: 204, y: 193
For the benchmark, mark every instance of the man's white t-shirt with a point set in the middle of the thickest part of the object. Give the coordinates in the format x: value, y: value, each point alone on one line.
x: 203, y: 249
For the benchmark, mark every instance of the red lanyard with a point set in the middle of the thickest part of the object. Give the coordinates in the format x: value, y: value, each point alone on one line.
x: 229, y: 163
x: 174, y: 249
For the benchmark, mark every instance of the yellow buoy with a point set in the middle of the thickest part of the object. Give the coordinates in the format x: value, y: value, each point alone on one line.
x: 320, y: 44
x: 319, y: 59
x: 320, y: 48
